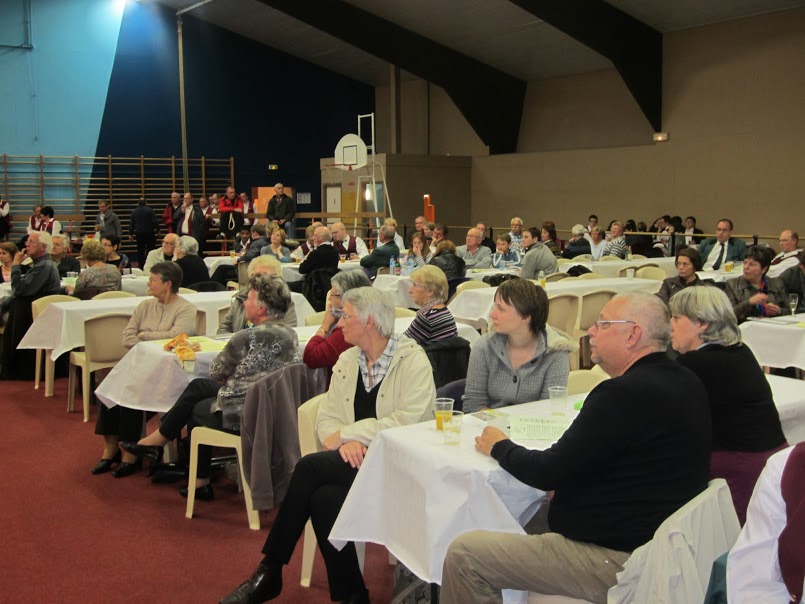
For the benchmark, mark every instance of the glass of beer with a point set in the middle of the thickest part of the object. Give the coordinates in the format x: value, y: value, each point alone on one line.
x: 728, y: 267
x: 342, y: 257
x: 442, y: 408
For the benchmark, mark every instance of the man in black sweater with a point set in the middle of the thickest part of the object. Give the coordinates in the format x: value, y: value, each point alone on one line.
x: 638, y: 450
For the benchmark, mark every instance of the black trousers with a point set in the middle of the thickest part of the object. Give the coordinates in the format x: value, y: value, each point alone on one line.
x: 318, y: 488
x: 145, y: 243
x: 125, y: 423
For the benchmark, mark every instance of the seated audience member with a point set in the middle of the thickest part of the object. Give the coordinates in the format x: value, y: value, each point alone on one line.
x: 438, y: 234
x: 194, y: 270
x: 433, y: 320
x: 41, y: 279
x: 111, y: 244
x: 688, y: 262
x: 351, y: 247
x: 7, y: 252
x: 486, y: 241
x: 323, y: 256
x: 474, y: 254
x: 755, y: 294
x: 216, y: 402
x: 419, y: 251
x: 794, y: 282
x: 277, y: 247
x: 324, y: 348
x: 49, y: 222
x: 397, y: 238
x: 536, y: 257
x: 577, y: 244
x: 789, y: 255
x: 620, y: 469
x: 164, y: 317
x: 617, y: 245
x: 592, y: 222
x: 724, y: 248
x: 548, y: 238
x: 506, y: 256
x: 98, y: 277
x: 164, y: 253
x: 419, y: 226
x: 523, y: 357
x: 382, y: 254
x: 766, y: 562
x: 301, y: 252
x: 746, y: 426
x: 427, y: 229
x: 691, y: 231
x: 64, y: 262
x: 243, y: 241
x: 258, y: 240
x: 235, y: 318
x: 516, y: 234
x: 597, y: 242
x: 446, y: 259
x: 387, y: 382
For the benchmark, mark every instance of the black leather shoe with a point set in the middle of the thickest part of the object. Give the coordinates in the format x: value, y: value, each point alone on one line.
x: 153, y: 453
x: 204, y: 493
x: 105, y: 465
x: 361, y: 597
x: 265, y: 584
x: 126, y: 469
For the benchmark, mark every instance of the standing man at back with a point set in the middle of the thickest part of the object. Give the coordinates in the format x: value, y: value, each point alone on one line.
x: 724, y: 248
x: 106, y: 222
x: 144, y: 227
x: 170, y: 210
x: 282, y: 209
x: 634, y: 455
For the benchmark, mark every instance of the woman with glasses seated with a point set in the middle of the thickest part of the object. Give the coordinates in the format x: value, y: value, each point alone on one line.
x: 111, y: 244
x: 755, y: 294
x: 382, y: 382
x: 522, y: 357
x: 433, y: 320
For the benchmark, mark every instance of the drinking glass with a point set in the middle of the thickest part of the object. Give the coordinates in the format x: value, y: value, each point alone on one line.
x: 452, y: 428
x: 793, y: 301
x: 558, y: 396
x: 443, y: 408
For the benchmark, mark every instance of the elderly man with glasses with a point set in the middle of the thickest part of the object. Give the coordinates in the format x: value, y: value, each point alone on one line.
x: 165, y: 253
x: 635, y: 454
x: 474, y: 254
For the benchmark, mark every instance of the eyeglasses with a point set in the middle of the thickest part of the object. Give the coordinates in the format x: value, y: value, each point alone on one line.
x: 347, y: 317
x: 601, y: 322
x: 335, y: 295
x: 420, y: 285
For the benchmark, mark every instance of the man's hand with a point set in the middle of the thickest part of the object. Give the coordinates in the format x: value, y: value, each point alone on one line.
x: 353, y: 453
x: 18, y: 258
x: 332, y: 442
x: 488, y: 438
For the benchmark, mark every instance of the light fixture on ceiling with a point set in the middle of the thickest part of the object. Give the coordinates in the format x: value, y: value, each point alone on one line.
x: 659, y: 137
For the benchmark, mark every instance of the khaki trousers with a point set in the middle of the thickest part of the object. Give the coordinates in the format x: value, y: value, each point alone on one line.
x: 480, y: 564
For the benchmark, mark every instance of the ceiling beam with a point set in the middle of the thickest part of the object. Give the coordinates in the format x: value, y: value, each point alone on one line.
x: 490, y: 100
x: 634, y: 47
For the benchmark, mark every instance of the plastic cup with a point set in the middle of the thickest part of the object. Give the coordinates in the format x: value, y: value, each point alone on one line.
x: 72, y: 274
x: 232, y: 254
x: 452, y: 428
x: 443, y: 408
x: 342, y: 257
x: 558, y: 396
x: 728, y: 267
x: 126, y: 271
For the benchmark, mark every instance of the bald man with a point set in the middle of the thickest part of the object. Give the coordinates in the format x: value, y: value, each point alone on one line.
x: 352, y: 247
x: 634, y: 455
x: 474, y: 254
x: 789, y: 255
x: 162, y: 254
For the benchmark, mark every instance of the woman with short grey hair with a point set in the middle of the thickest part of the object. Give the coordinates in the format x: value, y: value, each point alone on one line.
x: 193, y: 267
x: 746, y: 425
x: 376, y: 304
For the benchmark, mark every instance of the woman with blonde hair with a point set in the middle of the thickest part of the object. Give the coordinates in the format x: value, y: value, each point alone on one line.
x: 433, y: 320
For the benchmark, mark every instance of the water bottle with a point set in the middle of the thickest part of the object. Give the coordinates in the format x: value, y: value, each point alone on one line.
x: 393, y: 266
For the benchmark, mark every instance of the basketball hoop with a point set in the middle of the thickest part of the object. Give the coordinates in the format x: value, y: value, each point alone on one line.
x: 347, y: 167
x: 350, y: 152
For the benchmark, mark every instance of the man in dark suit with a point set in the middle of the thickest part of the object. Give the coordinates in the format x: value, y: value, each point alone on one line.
x: 383, y: 253
x: 323, y: 256
x: 486, y: 241
x: 188, y: 219
x: 64, y: 262
x: 282, y: 209
x: 691, y: 231
x: 715, y: 252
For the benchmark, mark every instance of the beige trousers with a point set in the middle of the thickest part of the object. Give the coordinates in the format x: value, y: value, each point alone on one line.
x: 480, y: 564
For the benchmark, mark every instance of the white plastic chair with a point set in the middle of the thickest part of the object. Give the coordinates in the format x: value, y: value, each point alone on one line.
x: 113, y: 294
x: 37, y: 308
x: 472, y: 284
x: 650, y: 272
x: 580, y: 381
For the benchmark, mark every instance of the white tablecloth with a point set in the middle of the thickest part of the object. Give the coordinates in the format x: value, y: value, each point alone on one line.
x: 789, y: 397
x: 611, y: 268
x: 475, y: 304
x: 778, y: 341
x: 213, y: 262
x: 398, y: 287
x: 147, y: 363
x: 719, y: 276
x: 5, y: 290
x: 478, y: 274
x: 135, y: 285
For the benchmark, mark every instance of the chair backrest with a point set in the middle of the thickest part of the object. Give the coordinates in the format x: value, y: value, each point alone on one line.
x: 650, y: 272
x: 556, y: 277
x: 452, y: 285
x: 609, y: 258
x: 102, y: 337
x: 638, y: 257
x: 208, y: 286
x: 308, y: 437
x: 201, y: 323
x: 624, y: 272
x: 187, y: 290
x: 471, y: 284
x: 583, y: 258
x: 113, y: 294
x: 598, y: 369
x: 317, y: 318
x: 138, y: 272
x: 584, y: 380
x: 449, y: 359
x: 39, y: 305
x: 591, y: 305
x: 592, y: 276
x: 243, y: 273
x: 383, y: 270
x: 402, y: 313
x: 561, y: 261
x: 563, y: 312
x: 221, y: 315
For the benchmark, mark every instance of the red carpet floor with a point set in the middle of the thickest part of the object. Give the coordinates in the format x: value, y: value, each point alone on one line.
x: 74, y: 537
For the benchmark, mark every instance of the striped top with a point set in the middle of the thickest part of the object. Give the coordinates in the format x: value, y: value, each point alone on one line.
x: 434, y: 324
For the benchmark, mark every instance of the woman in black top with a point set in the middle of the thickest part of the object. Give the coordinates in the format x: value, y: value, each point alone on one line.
x: 688, y: 261
x: 193, y: 268
x: 746, y: 425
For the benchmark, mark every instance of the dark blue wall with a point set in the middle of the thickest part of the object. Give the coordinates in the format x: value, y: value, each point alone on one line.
x: 243, y: 99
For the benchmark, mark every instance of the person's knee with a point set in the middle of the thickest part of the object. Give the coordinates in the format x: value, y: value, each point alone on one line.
x: 462, y: 547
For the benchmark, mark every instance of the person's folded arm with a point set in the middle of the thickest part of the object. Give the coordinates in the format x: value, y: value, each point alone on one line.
x: 185, y: 322
x: 476, y: 389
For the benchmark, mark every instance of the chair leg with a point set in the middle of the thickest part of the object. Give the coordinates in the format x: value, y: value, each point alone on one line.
x: 308, y: 553
x: 251, y: 513
x: 360, y: 550
x: 71, y: 387
x: 85, y: 390
x: 191, y: 476
x: 38, y: 369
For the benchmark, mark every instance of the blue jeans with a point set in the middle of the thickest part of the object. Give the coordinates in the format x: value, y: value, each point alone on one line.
x: 289, y: 232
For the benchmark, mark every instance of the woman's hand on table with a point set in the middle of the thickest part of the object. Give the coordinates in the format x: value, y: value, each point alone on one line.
x: 333, y: 442
x: 353, y: 453
x: 489, y: 437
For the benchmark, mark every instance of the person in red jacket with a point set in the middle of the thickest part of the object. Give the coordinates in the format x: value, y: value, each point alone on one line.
x: 170, y: 210
x: 230, y: 207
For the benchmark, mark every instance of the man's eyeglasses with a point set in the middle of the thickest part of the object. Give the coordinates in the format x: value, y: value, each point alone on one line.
x: 598, y: 324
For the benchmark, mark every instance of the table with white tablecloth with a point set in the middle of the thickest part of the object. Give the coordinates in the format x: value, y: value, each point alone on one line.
x: 611, y: 268
x: 777, y: 341
x: 720, y: 276
x: 213, y: 262
x: 397, y: 286
x: 290, y: 272
x: 148, y: 363
x: 5, y: 290
x: 474, y: 305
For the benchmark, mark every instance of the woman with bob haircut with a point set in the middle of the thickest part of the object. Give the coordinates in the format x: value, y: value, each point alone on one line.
x: 433, y: 320
x: 688, y: 261
x: 755, y: 294
x: 745, y: 423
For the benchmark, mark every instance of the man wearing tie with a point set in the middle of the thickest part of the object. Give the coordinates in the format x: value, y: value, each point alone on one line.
x: 723, y: 248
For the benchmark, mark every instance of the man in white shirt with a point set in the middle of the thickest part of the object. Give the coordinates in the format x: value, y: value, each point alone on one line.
x: 397, y: 238
x: 715, y: 252
x: 161, y: 254
x: 352, y: 247
x: 597, y: 242
x: 516, y: 233
x: 248, y: 208
x: 474, y: 254
x: 5, y: 223
x: 789, y: 254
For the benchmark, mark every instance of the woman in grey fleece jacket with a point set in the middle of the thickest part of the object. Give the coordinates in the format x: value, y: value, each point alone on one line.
x: 523, y: 357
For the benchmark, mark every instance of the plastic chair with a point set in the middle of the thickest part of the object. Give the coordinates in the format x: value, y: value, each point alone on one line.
x: 201, y: 323
x: 187, y: 290
x: 556, y: 277
x: 583, y: 258
x: 113, y: 294
x: 137, y: 272
x: 609, y: 258
x: 243, y: 274
x: 561, y: 261
x: 591, y: 276
x: 383, y: 270
x: 37, y: 308
x: 472, y: 284
x: 624, y: 272
x: 309, y: 443
x: 598, y: 369
x: 402, y: 313
x: 580, y: 381
x: 563, y: 312
x: 590, y: 307
x: 102, y: 350
x: 316, y: 318
x: 638, y: 257
x: 650, y: 272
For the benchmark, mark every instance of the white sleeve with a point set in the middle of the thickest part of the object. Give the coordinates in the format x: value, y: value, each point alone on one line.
x: 753, y: 569
x: 361, y: 247
x: 56, y: 227
x: 5, y: 210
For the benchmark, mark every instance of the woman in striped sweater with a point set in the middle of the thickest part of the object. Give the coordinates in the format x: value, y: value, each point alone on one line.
x: 433, y: 321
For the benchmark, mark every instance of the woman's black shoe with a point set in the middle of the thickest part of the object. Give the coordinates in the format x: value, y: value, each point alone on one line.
x: 153, y: 453
x: 204, y: 493
x: 105, y: 465
x: 127, y: 469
